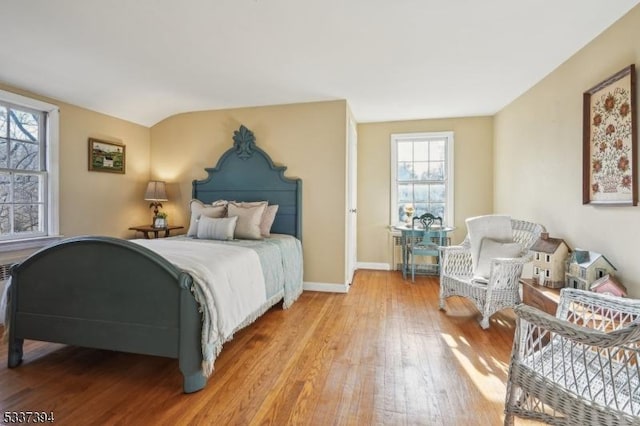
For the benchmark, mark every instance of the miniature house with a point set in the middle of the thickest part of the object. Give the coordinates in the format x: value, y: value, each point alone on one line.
x: 585, y: 267
x: 609, y: 285
x: 549, y: 260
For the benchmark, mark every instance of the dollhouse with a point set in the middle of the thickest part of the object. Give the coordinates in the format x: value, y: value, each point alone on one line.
x: 549, y: 261
x: 585, y: 267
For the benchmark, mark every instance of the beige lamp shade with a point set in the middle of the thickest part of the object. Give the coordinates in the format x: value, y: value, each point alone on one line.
x: 156, y: 191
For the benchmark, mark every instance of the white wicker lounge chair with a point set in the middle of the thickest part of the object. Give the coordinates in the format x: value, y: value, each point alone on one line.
x: 502, y: 289
x: 581, y: 367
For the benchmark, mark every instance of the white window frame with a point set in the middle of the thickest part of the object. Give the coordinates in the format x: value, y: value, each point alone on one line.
x: 52, y: 195
x: 400, y: 137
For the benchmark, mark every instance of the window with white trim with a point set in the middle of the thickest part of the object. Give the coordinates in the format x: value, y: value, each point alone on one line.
x: 28, y: 168
x: 422, y: 175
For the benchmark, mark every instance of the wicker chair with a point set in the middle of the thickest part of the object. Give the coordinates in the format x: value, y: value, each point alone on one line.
x: 580, y: 367
x: 503, y: 287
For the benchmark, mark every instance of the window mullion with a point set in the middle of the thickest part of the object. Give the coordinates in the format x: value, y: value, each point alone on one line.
x: 11, y: 203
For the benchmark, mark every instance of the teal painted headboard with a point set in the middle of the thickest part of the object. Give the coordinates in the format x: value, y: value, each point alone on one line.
x: 246, y: 173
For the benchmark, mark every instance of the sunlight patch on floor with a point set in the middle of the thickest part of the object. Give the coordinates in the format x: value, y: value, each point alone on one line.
x: 481, y: 372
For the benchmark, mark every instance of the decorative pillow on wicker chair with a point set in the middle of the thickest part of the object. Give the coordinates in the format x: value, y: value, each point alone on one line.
x: 216, y: 229
x: 492, y: 249
x: 198, y: 209
x: 249, y: 219
x: 496, y: 227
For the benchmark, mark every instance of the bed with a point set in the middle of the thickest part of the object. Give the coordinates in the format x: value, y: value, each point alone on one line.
x: 121, y: 295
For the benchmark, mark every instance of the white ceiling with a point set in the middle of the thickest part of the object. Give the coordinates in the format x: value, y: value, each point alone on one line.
x: 145, y: 60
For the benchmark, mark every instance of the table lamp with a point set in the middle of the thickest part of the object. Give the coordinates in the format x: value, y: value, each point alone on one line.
x: 155, y: 193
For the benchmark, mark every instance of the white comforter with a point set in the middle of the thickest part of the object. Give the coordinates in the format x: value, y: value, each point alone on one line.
x: 229, y: 285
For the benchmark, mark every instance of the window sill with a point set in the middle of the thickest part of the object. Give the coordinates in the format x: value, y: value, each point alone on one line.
x: 28, y: 243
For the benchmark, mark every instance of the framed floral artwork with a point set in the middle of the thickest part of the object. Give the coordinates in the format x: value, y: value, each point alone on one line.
x: 610, y: 141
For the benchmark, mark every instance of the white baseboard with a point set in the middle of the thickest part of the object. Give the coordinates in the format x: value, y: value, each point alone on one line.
x: 325, y: 287
x: 374, y: 266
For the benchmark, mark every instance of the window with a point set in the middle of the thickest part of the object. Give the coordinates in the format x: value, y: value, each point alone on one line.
x: 537, y: 256
x: 422, y: 175
x: 28, y: 169
x: 536, y: 270
x: 547, y: 258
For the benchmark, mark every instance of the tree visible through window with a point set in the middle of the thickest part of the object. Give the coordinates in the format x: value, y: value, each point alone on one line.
x: 22, y: 172
x: 422, y: 175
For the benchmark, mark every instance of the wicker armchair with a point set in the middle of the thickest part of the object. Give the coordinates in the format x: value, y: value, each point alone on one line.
x: 580, y: 367
x: 503, y: 287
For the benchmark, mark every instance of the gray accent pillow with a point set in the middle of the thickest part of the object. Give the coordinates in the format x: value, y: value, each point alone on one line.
x: 198, y: 209
x: 249, y: 220
x: 216, y: 228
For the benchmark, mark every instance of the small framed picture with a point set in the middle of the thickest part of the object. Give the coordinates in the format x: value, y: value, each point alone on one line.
x: 160, y: 222
x: 106, y: 156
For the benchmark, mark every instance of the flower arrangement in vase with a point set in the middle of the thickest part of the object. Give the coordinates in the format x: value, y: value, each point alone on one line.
x: 160, y: 221
x: 409, y: 210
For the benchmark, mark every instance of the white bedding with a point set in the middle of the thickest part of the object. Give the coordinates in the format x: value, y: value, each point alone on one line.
x: 229, y: 285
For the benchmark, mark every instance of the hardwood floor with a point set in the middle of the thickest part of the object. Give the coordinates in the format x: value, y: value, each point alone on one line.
x: 383, y: 354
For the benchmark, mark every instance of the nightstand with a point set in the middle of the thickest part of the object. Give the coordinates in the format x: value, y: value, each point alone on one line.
x: 544, y: 298
x: 148, y: 229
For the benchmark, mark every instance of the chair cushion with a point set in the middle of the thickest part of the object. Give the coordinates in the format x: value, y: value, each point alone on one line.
x: 496, y: 227
x: 492, y: 249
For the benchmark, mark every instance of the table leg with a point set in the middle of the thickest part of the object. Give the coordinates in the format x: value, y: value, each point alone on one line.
x: 403, y: 243
x: 146, y: 234
x: 166, y: 232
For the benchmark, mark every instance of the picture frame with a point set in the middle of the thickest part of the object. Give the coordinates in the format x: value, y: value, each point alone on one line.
x: 610, y: 138
x: 106, y: 156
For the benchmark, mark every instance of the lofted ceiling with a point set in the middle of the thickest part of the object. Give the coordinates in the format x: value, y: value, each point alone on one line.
x: 145, y: 60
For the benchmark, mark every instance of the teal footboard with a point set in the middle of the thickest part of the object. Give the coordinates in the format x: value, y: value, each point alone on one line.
x: 106, y: 293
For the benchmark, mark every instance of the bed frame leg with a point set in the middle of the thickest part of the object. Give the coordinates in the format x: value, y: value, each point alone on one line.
x: 193, y: 382
x: 190, y: 352
x: 15, y: 353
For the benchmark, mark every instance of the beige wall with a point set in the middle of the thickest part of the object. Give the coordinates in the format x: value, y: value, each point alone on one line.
x: 538, y: 154
x: 97, y: 202
x: 473, y: 177
x: 309, y: 139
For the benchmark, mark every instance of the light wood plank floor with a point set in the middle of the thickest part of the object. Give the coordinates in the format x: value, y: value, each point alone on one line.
x: 383, y: 354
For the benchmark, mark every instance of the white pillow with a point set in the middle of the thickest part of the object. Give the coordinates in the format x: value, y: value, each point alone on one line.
x: 198, y: 208
x: 496, y: 227
x: 249, y: 219
x: 492, y: 249
x: 216, y: 228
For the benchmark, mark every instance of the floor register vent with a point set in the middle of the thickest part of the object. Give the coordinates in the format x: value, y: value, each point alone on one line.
x: 5, y: 272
